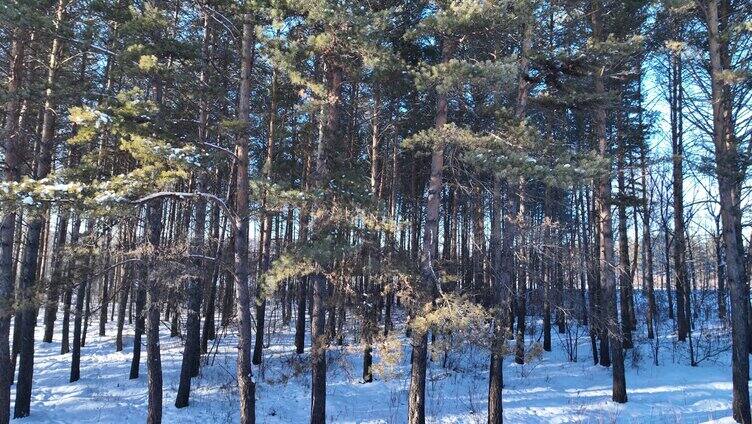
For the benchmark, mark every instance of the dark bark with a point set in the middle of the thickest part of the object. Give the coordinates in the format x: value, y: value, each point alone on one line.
x: 11, y: 172
x: 105, y: 293
x: 416, y: 413
x: 87, y: 309
x: 547, y: 270
x: 81, y: 283
x: 303, y: 284
x: 53, y: 294
x: 318, y: 350
x: 65, y: 328
x: 153, y: 354
x: 27, y: 284
x: 679, y: 246
x: 300, y: 319
x: 124, y: 292
x: 140, y: 324
x: 720, y: 269
x: 328, y: 139
x: 729, y: 187
x: 522, y: 276
x: 192, y: 351
x: 211, y: 298
x: 647, y: 242
x: 246, y: 385
x: 501, y: 277
x: 603, y: 201
x: 266, y: 239
x: 625, y: 276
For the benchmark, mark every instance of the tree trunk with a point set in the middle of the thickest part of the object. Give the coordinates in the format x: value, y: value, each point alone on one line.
x: 192, y: 350
x: 53, y: 295
x: 729, y: 187
x: 720, y: 269
x: 667, y: 263
x: 303, y: 283
x: 246, y: 385
x: 65, y: 327
x: 27, y: 284
x: 125, y: 289
x: 327, y: 139
x: 522, y: 276
x: 75, y: 373
x: 104, y: 295
x: 416, y: 413
x: 11, y: 172
x: 647, y: 243
x: 140, y: 324
x: 516, y: 211
x: 218, y: 236
x: 501, y: 278
x: 547, y: 265
x: 267, y: 216
x: 603, y: 203
x: 680, y: 266
x: 625, y: 276
x: 87, y: 309
x: 318, y: 351
x: 372, y: 289
x: 153, y: 354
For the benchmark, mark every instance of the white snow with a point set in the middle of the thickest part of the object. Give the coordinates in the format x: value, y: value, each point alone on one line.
x: 549, y: 390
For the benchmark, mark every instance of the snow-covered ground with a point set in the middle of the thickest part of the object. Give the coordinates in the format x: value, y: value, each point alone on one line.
x: 548, y: 390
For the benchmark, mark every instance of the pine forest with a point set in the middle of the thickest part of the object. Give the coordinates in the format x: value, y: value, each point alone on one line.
x: 375, y: 211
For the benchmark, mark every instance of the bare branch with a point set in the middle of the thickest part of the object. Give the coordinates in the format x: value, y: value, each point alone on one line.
x: 180, y: 195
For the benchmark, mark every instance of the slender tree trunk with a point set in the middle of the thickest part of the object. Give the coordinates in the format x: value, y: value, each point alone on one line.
x: 53, y: 295
x: 547, y: 270
x: 246, y: 385
x: 679, y: 252
x: 327, y: 142
x: 594, y: 280
x: 667, y: 263
x: 516, y: 211
x: 65, y: 327
x: 105, y: 294
x: 522, y: 277
x: 416, y: 413
x: 87, y: 309
x: 720, y: 269
x: 318, y: 350
x: 729, y: 183
x: 192, y: 350
x: 625, y: 276
x: 372, y: 289
x: 80, y: 279
x: 603, y: 202
x: 125, y: 289
x: 300, y: 319
x: 267, y: 216
x: 140, y: 324
x: 153, y: 355
x: 11, y: 172
x: 647, y: 242
x: 29, y: 268
x: 303, y: 282
x: 501, y: 278
x: 218, y: 236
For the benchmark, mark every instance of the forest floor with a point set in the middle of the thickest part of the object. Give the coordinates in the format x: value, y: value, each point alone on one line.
x: 550, y: 389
